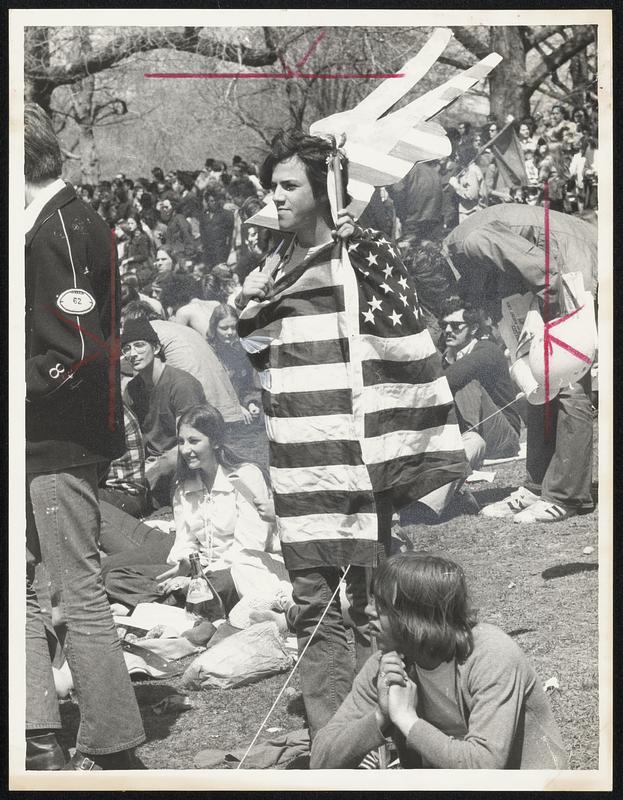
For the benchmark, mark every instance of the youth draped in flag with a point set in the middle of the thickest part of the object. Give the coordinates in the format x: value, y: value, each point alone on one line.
x: 354, y: 398
x: 358, y: 414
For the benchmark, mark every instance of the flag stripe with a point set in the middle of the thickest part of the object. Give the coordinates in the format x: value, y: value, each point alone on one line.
x: 310, y: 454
x: 327, y: 300
x: 309, y: 553
x: 415, y: 372
x: 307, y: 404
x: 292, y: 430
x: 298, y: 379
x: 398, y: 395
x: 332, y: 351
x: 405, y: 419
x: 398, y: 444
x: 327, y: 527
x: 415, y: 346
x: 416, y: 475
x: 304, y: 329
x: 316, y: 478
x: 300, y: 504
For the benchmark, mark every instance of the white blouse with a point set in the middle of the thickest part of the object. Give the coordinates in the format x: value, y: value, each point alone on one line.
x: 220, y: 523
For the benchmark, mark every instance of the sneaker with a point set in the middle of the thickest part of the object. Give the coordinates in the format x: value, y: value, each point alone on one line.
x: 543, y: 511
x: 517, y: 501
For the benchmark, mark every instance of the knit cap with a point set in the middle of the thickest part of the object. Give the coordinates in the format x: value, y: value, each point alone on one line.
x: 136, y: 330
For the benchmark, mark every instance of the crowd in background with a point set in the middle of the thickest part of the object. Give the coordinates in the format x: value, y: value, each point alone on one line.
x: 185, y: 249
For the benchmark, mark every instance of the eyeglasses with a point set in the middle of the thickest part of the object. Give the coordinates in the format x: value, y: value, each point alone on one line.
x: 139, y: 346
x: 455, y: 327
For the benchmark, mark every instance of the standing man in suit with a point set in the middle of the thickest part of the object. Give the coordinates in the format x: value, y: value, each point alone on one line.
x: 74, y: 421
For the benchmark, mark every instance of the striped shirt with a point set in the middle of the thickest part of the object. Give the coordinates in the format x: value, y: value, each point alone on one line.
x: 354, y: 397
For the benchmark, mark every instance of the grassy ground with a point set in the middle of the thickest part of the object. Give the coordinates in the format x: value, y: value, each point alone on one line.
x: 532, y: 581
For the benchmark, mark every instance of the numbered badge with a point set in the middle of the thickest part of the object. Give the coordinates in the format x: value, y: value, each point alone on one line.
x: 76, y: 301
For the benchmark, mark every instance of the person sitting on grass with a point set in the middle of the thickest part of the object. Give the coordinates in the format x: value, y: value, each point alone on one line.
x: 452, y: 693
x: 479, y: 378
x: 221, y: 506
x: 223, y: 338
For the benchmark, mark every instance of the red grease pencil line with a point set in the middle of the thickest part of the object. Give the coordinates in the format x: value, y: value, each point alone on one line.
x: 289, y: 74
x: 546, y: 337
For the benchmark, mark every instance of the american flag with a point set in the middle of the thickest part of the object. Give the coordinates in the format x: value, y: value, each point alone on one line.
x: 354, y: 398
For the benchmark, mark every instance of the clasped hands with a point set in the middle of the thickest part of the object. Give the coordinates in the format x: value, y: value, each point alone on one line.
x: 397, y: 694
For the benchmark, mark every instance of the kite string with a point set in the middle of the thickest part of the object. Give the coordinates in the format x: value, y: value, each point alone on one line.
x: 298, y: 661
x: 499, y: 411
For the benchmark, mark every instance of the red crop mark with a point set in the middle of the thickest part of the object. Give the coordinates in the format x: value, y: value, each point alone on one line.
x: 111, y: 349
x: 546, y: 336
x: 287, y: 71
x: 115, y: 347
x: 549, y: 340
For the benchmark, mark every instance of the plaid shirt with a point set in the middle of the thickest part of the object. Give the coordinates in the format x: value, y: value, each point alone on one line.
x: 127, y: 473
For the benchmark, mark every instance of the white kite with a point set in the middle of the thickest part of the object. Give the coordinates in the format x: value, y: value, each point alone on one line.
x: 383, y: 149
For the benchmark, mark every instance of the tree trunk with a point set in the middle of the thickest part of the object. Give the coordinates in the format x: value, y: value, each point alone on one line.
x: 509, y: 93
x: 89, y: 160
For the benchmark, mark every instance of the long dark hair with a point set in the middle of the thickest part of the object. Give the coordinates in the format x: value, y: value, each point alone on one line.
x: 425, y: 598
x: 221, y: 312
x: 209, y: 421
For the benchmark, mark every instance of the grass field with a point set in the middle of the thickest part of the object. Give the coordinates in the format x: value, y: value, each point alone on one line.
x: 533, y: 581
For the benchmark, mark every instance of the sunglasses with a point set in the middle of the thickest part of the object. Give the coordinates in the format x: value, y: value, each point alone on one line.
x: 455, y: 327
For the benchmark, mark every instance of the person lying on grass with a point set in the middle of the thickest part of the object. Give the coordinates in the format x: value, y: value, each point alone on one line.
x: 451, y: 692
x: 222, y: 509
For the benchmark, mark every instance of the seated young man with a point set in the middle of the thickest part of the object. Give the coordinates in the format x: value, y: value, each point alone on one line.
x: 480, y: 382
x: 452, y: 692
x: 159, y: 394
x: 479, y: 379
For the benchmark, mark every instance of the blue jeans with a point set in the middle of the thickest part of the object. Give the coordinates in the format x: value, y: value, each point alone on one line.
x: 559, y: 457
x: 326, y: 669
x: 62, y: 531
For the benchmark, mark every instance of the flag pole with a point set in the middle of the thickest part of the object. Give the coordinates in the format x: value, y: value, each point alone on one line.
x: 336, y: 165
x: 482, y: 150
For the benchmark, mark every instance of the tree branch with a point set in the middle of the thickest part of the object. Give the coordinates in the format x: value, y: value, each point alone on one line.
x: 553, y: 61
x: 470, y: 41
x: 534, y: 36
x: 124, y: 45
x: 454, y: 62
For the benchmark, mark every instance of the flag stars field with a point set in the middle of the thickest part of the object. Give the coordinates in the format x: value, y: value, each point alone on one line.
x: 368, y: 316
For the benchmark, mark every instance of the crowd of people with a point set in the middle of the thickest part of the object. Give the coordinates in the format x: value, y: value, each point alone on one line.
x: 210, y: 344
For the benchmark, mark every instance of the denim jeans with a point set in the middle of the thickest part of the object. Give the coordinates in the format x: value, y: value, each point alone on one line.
x: 120, y: 531
x: 62, y: 531
x: 326, y: 669
x: 137, y: 505
x: 559, y: 457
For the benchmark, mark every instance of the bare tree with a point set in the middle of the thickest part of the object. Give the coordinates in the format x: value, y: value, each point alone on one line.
x: 532, y: 58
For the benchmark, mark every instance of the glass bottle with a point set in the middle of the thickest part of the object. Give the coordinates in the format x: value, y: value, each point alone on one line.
x: 202, y: 600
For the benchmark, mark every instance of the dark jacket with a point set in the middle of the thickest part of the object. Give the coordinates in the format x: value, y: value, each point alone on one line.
x: 501, y: 251
x: 73, y: 401
x: 216, y: 232
x: 179, y: 238
x: 418, y: 201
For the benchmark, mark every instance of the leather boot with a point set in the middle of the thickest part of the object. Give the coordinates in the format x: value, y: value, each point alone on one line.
x: 124, y: 760
x: 43, y: 752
